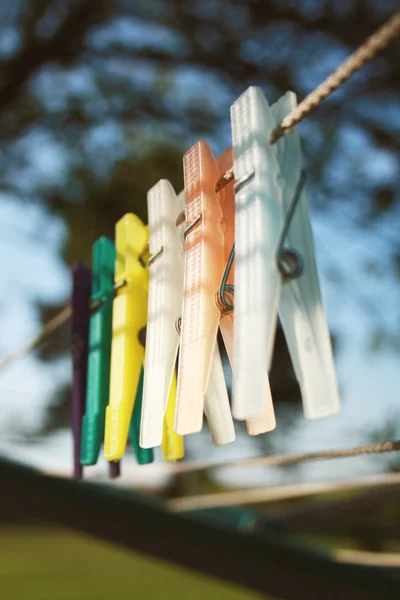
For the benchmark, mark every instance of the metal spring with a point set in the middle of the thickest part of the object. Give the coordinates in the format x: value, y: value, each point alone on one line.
x: 178, y: 325
x: 225, y: 294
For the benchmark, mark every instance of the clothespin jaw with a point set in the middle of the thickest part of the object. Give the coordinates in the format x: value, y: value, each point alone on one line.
x: 144, y: 456
x: 129, y: 317
x: 172, y: 445
x: 204, y: 264
x: 98, y: 382
x: 216, y: 403
x: 227, y: 202
x: 164, y: 309
x: 258, y: 206
x: 79, y: 334
x: 301, y: 311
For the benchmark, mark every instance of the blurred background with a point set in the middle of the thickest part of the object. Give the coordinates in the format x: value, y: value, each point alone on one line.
x: 99, y: 99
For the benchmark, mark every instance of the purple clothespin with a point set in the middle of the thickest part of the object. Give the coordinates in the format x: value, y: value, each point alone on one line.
x: 81, y: 286
x: 114, y: 469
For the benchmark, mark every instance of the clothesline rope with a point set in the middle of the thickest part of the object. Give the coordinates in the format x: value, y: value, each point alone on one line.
x: 264, y: 495
x: 48, y: 329
x: 366, y: 52
x: 290, y: 459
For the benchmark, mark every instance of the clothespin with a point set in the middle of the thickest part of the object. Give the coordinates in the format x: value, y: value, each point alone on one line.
x: 264, y: 184
x: 79, y: 335
x: 258, y: 210
x: 200, y: 368
x: 98, y: 380
x: 300, y: 310
x: 216, y: 401
x: 129, y: 318
x: 164, y: 311
x: 265, y: 421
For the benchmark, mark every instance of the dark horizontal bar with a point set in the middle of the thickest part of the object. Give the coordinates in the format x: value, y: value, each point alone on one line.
x: 231, y: 545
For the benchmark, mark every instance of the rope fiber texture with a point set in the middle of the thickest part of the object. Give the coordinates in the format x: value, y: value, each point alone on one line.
x: 373, y: 45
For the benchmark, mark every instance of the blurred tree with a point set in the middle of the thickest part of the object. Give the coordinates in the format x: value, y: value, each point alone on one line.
x: 100, y: 98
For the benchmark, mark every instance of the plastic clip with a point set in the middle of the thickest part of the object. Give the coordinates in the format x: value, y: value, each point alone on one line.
x: 129, y: 317
x: 80, y: 337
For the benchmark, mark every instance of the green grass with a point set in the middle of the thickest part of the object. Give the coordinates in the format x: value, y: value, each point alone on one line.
x: 55, y: 564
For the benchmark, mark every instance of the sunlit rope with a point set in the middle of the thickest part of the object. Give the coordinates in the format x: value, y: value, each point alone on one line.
x: 373, y: 45
x: 290, y: 459
x: 277, y: 493
x: 369, y: 50
x: 49, y: 328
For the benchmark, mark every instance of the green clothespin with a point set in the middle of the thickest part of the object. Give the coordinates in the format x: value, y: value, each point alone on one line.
x: 98, y: 381
x: 144, y: 456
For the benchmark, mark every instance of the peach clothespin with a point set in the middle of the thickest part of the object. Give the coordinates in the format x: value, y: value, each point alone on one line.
x: 201, y: 383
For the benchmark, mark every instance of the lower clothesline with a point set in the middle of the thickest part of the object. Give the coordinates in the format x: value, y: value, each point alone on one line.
x: 264, y: 495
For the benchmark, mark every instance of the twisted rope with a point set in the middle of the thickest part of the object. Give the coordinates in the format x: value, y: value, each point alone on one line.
x: 374, y: 44
x: 49, y: 328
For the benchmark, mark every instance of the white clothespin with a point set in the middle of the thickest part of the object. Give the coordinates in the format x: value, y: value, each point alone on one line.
x: 164, y: 309
x: 300, y: 310
x: 268, y: 187
x: 258, y: 212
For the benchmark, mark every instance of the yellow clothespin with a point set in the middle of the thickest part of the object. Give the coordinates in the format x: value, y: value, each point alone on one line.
x: 129, y: 318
